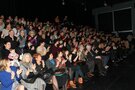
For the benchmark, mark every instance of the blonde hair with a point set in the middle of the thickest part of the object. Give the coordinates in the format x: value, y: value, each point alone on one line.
x: 32, y: 32
x: 24, y: 57
x: 3, y: 64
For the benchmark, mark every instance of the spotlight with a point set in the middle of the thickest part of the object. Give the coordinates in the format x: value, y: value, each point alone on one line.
x: 105, y: 4
x: 63, y: 2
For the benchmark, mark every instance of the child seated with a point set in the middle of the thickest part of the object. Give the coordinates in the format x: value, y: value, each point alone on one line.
x: 13, y: 56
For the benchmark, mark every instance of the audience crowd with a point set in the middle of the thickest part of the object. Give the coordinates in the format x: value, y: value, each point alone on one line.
x: 34, y: 54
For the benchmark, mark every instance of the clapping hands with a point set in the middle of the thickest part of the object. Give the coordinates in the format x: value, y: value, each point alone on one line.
x: 19, y: 71
x: 12, y: 75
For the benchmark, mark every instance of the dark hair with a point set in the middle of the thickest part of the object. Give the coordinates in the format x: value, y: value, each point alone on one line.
x: 5, y: 41
x: 41, y: 41
x: 48, y: 54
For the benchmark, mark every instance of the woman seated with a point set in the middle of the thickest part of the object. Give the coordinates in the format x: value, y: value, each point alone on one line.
x: 70, y: 67
x: 76, y: 67
x: 61, y: 70
x: 42, y: 50
x: 47, y: 75
x: 29, y: 75
x: 14, y: 58
x: 52, y: 64
x: 9, y: 76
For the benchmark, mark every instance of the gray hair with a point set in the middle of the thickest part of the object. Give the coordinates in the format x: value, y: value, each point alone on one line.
x: 24, y: 56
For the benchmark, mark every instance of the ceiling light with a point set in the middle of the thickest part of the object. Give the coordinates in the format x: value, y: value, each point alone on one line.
x: 105, y: 4
x: 63, y: 2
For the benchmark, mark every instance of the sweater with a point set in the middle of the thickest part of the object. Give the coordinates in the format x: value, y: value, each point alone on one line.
x: 5, y: 79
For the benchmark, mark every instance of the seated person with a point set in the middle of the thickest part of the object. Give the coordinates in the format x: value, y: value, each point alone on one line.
x: 45, y: 73
x: 13, y: 56
x: 29, y: 74
x: 61, y: 70
x: 11, y: 76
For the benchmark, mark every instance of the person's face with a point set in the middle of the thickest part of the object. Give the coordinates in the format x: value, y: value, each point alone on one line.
x: 81, y: 48
x: 74, y: 40
x: 27, y: 58
x: 13, y: 51
x: 67, y: 52
x: 29, y: 44
x: 22, y: 28
x: 10, y: 17
x: 39, y: 58
x: 51, y: 55
x: 113, y: 44
x: 57, y: 43
x: 8, y: 27
x: 60, y: 54
x: 43, y: 44
x: 22, y: 33
x: 75, y: 50
x: 89, y: 48
x: 17, y: 27
x: 11, y: 33
x: 32, y: 34
x: 70, y: 55
x: 31, y: 27
x: 2, y: 16
x: 8, y: 45
x: 62, y: 34
x: 40, y: 32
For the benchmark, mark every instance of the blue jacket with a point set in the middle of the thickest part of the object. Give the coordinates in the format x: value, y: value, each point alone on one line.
x: 5, y: 79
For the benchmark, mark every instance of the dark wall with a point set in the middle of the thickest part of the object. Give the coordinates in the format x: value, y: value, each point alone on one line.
x: 7, y: 7
x: 46, y: 9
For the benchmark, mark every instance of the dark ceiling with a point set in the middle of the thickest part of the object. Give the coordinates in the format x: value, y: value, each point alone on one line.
x: 79, y: 10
